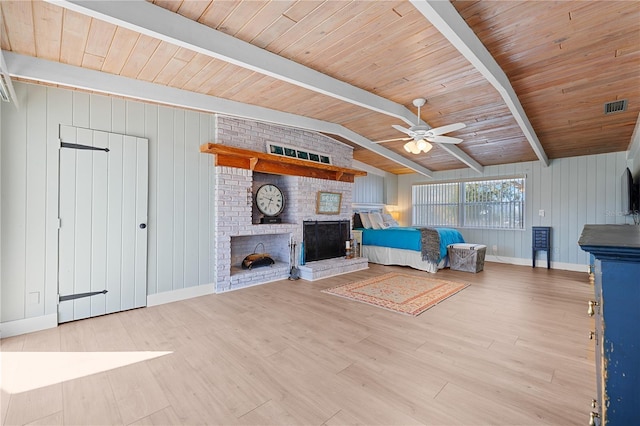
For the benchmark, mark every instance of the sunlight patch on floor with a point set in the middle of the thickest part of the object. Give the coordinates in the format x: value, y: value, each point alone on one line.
x: 25, y: 371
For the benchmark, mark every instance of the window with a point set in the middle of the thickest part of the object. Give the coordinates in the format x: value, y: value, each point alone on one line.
x: 495, y: 203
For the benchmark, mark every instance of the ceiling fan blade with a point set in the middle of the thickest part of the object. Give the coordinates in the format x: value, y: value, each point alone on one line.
x: 401, y: 129
x: 446, y: 129
x: 444, y: 139
x: 392, y: 140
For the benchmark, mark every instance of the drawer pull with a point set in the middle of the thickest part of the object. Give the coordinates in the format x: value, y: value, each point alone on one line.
x: 592, y: 303
x: 592, y: 418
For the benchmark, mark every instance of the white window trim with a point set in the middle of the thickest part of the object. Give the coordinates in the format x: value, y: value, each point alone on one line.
x: 461, y: 203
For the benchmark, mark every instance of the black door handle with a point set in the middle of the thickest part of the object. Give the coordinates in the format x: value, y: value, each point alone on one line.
x: 143, y: 225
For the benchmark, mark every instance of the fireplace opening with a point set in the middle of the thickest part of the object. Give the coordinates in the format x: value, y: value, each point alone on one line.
x: 275, y: 245
x: 325, y: 239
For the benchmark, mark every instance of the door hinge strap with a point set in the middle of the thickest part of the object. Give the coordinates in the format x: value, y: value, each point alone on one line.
x: 81, y: 295
x: 78, y: 146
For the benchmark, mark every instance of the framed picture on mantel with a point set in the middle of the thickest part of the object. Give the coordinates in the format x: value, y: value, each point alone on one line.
x: 328, y: 202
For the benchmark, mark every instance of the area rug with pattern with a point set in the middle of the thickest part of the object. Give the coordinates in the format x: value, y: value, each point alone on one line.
x: 403, y: 293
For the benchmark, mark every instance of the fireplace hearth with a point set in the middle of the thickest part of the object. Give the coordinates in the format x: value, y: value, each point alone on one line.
x: 325, y: 239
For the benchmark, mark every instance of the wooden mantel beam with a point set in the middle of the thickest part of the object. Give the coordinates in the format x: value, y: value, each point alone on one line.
x: 275, y: 164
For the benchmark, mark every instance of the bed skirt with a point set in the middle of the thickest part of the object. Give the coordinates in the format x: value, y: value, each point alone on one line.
x: 394, y: 256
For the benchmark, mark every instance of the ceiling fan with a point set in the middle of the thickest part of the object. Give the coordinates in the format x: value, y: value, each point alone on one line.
x: 421, y: 135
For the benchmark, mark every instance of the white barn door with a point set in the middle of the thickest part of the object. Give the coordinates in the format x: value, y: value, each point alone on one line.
x: 103, y: 197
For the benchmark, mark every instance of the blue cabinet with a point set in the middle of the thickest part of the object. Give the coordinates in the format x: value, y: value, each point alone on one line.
x: 616, y: 309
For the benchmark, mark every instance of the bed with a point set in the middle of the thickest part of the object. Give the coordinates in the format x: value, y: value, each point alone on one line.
x: 424, y: 249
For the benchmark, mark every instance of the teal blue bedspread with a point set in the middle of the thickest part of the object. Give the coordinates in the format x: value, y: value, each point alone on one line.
x: 448, y: 236
x: 408, y: 238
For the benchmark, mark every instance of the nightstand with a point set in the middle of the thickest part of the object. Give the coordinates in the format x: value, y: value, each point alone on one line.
x: 541, y: 241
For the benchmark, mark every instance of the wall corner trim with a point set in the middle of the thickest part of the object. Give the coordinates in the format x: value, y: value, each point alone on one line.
x: 28, y: 325
x: 180, y: 294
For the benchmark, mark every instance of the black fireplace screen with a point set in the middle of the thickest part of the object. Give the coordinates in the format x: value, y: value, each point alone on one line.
x: 325, y: 239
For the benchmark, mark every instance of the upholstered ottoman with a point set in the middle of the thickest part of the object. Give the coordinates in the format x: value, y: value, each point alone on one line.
x: 467, y: 257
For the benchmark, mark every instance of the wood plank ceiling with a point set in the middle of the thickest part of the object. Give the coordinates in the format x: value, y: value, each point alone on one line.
x: 564, y: 60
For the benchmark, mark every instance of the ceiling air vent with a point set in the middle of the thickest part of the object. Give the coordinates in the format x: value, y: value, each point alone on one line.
x: 615, y: 106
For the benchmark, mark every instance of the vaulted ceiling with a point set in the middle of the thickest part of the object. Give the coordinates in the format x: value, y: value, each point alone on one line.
x: 530, y: 79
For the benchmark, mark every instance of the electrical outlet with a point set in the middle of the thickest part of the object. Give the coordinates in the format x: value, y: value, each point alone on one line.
x: 495, y: 248
x: 541, y: 213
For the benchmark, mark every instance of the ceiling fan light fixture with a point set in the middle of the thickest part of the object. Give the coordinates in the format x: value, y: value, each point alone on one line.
x: 422, y: 134
x: 412, y: 147
x: 417, y: 147
x: 409, y: 146
x: 427, y: 147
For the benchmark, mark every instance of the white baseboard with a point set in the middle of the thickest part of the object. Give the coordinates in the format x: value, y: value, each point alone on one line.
x: 28, y: 325
x: 540, y: 263
x: 181, y: 294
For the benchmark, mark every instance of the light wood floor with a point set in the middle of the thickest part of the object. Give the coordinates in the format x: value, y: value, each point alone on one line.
x: 510, y: 349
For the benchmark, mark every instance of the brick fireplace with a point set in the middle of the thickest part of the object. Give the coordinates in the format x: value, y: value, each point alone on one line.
x: 236, y: 227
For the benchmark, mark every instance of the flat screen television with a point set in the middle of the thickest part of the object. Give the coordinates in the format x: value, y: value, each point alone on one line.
x: 630, y: 194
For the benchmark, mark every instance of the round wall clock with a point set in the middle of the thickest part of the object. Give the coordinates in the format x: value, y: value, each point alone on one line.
x: 270, y: 200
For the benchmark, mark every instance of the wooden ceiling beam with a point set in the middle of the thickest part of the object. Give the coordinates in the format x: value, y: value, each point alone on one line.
x: 448, y: 21
x: 144, y: 17
x: 71, y: 76
x: 6, y: 85
x: 462, y: 156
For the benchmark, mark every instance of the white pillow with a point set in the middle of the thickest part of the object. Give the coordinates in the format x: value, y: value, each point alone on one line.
x: 376, y: 220
x: 389, y: 221
x: 364, y: 218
